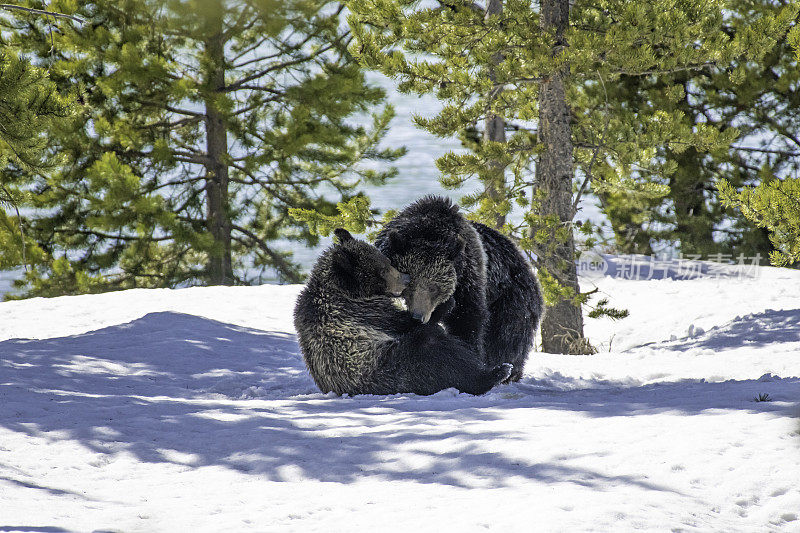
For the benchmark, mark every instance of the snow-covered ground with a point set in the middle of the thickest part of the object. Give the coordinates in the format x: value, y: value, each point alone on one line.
x: 190, y: 410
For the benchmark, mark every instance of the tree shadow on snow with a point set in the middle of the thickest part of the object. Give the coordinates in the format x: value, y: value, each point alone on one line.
x: 756, y: 330
x: 598, y: 398
x: 50, y: 490
x: 168, y: 388
x: 35, y: 529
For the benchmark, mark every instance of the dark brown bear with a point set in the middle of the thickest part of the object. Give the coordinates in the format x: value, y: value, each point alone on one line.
x: 498, y: 302
x: 355, y: 339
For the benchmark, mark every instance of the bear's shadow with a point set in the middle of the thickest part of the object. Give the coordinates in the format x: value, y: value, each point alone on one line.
x: 170, y: 388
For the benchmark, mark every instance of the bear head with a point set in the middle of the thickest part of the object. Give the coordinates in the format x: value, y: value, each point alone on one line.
x: 360, y: 270
x: 431, y: 266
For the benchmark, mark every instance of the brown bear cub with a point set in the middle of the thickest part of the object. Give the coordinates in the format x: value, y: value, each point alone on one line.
x: 356, y: 340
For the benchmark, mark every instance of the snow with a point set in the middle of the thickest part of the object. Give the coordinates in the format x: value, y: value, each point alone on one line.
x: 177, y: 410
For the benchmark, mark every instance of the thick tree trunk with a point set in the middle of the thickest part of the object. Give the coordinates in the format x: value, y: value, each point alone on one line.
x: 220, y: 269
x: 562, y: 326
x: 495, y: 130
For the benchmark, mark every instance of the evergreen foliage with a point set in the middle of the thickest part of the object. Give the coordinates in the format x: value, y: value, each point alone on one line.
x: 29, y: 103
x: 601, y: 309
x: 540, y: 70
x: 202, y: 123
x: 794, y: 40
x: 29, y: 106
x: 756, y: 97
x: 775, y: 205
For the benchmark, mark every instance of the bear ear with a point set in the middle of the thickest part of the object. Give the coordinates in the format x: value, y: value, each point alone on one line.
x: 395, y: 240
x: 458, y: 247
x: 344, y: 268
x: 343, y: 235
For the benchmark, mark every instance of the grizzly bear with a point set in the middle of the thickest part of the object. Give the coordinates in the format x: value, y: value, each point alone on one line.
x: 356, y: 339
x: 498, y: 301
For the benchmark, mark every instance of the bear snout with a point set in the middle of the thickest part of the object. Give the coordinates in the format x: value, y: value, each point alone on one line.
x: 421, y: 307
x: 396, y: 282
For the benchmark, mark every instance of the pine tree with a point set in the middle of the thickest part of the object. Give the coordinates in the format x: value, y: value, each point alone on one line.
x: 202, y: 124
x: 547, y: 70
x: 29, y: 102
x: 761, y: 102
x: 774, y: 205
x: 29, y: 106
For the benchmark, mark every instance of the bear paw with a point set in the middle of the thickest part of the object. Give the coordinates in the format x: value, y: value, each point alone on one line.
x: 502, y: 372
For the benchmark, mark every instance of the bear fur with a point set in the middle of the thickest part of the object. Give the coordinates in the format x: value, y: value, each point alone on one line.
x: 355, y: 339
x: 498, y: 301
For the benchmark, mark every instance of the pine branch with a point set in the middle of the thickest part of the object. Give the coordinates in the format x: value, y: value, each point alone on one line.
x: 162, y: 105
x: 475, y: 8
x: 655, y: 72
x: 286, y: 268
x: 10, y: 199
x: 786, y: 153
x: 286, y: 64
x: 235, y: 28
x: 601, y: 144
x: 10, y: 7
x: 246, y: 51
x: 117, y: 237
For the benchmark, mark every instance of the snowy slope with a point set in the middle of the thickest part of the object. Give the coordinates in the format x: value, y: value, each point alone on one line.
x: 159, y: 410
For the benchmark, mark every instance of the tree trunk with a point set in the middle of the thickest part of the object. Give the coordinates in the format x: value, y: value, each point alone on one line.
x: 694, y: 226
x: 630, y: 235
x: 694, y: 223
x: 495, y: 131
x: 562, y: 326
x: 220, y: 269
